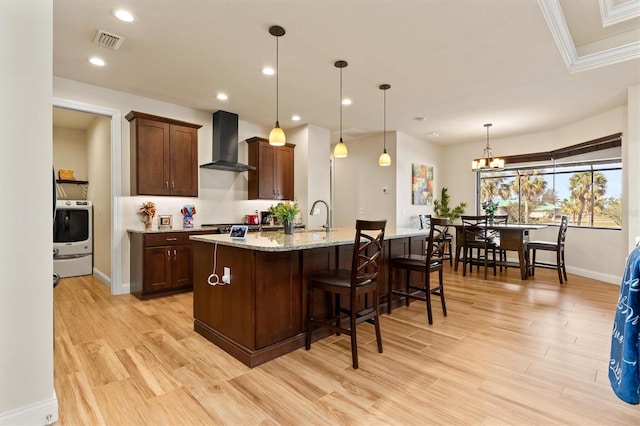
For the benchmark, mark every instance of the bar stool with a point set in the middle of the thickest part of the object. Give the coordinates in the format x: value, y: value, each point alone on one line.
x: 359, y: 285
x: 431, y: 261
x: 557, y: 247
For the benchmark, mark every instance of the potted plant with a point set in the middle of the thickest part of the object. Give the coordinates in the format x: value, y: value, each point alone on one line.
x: 441, y: 207
x: 285, y: 212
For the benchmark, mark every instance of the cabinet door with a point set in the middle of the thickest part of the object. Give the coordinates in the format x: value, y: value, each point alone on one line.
x: 152, y: 157
x: 283, y: 173
x: 181, y: 273
x: 183, y: 161
x: 266, y: 172
x: 157, y: 268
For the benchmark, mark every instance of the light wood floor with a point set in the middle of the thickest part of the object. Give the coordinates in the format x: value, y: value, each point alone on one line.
x: 510, y: 352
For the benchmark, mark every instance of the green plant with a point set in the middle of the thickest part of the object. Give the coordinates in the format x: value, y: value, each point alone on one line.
x: 285, y: 211
x: 441, y: 207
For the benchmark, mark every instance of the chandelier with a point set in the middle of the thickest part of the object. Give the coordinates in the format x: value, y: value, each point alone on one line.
x: 487, y: 161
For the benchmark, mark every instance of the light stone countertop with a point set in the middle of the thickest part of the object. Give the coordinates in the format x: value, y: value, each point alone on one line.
x: 299, y: 240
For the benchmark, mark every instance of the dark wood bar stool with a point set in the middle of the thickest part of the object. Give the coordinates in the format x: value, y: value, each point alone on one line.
x: 430, y: 262
x: 446, y: 254
x: 557, y: 247
x: 359, y: 285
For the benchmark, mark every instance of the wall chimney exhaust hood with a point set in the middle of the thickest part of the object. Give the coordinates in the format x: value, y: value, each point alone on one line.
x: 225, y: 144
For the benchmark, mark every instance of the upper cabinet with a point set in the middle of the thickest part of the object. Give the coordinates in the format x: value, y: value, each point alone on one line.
x: 164, y: 156
x: 273, y: 177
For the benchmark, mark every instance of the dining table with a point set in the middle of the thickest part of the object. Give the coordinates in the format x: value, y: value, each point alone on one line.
x: 513, y: 237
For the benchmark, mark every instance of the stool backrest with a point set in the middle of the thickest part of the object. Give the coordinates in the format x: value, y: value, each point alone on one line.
x: 425, y: 221
x: 438, y: 233
x: 367, y: 250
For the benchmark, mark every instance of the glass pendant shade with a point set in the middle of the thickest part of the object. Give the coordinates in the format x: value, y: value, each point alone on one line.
x: 384, y: 160
x: 487, y: 161
x: 276, y: 136
x: 340, y: 150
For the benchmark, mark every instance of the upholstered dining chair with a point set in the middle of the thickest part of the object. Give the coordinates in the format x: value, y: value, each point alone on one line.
x: 359, y: 285
x: 430, y: 261
x: 425, y: 220
x: 557, y: 247
x: 477, y: 236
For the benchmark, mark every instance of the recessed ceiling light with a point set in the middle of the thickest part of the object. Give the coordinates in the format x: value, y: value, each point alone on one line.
x: 268, y: 71
x: 124, y: 15
x: 295, y: 117
x: 99, y: 62
x: 222, y: 96
x: 346, y: 101
x: 418, y: 118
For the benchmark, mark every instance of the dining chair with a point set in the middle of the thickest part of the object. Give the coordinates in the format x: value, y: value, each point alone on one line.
x: 477, y: 236
x: 557, y: 247
x: 430, y: 261
x: 424, y: 224
x: 359, y: 284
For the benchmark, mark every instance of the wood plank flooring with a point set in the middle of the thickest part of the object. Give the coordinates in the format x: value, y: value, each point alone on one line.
x: 510, y: 352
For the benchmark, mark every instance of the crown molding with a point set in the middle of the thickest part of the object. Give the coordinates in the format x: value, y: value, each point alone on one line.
x: 612, y: 14
x: 552, y: 12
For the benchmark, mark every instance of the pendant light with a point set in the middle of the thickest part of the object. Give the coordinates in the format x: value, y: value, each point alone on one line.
x: 277, y: 137
x: 487, y: 162
x: 340, y: 150
x: 385, y: 159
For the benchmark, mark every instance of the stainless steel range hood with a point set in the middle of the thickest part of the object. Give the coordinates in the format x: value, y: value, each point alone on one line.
x: 225, y: 144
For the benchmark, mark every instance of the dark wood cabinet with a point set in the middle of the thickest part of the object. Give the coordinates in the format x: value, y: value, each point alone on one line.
x: 164, y: 156
x: 161, y: 263
x: 273, y: 177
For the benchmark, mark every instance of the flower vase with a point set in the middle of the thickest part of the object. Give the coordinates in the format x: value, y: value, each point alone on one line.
x: 491, y: 220
x: 148, y: 222
x: 288, y: 227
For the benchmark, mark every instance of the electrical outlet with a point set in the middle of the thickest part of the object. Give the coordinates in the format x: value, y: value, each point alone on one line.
x: 226, y: 275
x: 361, y: 211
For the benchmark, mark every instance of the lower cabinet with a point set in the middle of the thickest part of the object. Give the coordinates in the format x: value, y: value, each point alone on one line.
x: 161, y: 263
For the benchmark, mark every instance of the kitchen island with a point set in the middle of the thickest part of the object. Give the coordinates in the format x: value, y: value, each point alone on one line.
x: 259, y: 314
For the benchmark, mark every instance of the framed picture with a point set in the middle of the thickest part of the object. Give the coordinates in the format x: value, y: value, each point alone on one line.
x: 421, y: 184
x: 164, y: 221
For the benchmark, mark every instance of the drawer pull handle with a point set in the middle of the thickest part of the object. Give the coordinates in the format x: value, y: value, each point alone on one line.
x: 172, y: 239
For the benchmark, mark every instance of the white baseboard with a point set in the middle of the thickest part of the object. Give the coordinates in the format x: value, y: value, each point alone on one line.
x: 102, y: 277
x: 41, y: 413
x: 613, y: 279
x: 126, y: 288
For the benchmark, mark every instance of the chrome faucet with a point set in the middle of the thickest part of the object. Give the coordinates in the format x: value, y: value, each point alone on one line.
x: 313, y: 206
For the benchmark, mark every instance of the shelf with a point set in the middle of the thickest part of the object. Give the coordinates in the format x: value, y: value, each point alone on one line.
x: 77, y: 182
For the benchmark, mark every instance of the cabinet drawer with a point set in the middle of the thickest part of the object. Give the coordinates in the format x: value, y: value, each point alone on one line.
x: 166, y: 239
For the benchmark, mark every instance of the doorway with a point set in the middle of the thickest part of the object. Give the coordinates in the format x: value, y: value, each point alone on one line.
x: 111, y: 185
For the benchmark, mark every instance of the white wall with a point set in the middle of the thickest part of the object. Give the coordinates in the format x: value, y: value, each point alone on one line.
x: 411, y: 150
x: 312, y: 165
x: 26, y: 295
x: 98, y: 150
x: 594, y: 253
x: 359, y: 182
x: 70, y: 151
x: 631, y: 155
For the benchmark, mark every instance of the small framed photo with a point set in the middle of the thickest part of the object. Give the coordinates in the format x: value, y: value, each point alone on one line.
x: 164, y: 222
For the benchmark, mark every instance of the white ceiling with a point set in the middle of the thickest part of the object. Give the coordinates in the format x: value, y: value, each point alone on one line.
x: 456, y: 63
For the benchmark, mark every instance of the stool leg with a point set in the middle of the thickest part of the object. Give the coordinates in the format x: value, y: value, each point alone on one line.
x: 427, y: 295
x: 441, y: 281
x: 559, y: 266
x: 354, y: 341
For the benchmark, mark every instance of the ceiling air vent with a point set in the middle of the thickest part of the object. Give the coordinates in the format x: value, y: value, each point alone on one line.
x: 108, y: 40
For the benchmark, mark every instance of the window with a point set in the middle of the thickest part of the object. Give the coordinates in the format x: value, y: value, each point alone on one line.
x: 588, y: 190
